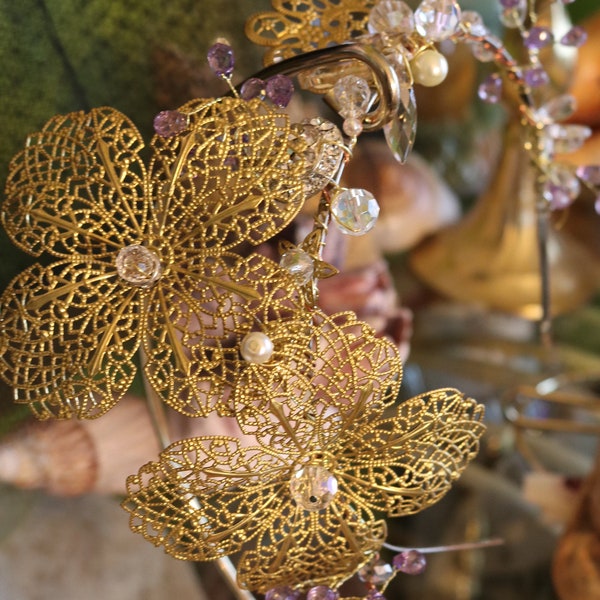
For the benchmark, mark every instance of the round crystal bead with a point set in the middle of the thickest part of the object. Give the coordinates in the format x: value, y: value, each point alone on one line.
x: 313, y: 487
x: 352, y: 94
x: 322, y: 592
x: 355, y: 211
x: 256, y: 347
x: 411, y: 562
x: 376, y: 572
x: 138, y: 266
x: 391, y: 16
x: 490, y: 89
x: 299, y: 263
x: 437, y: 20
x: 282, y: 593
x: 472, y: 21
x: 352, y: 127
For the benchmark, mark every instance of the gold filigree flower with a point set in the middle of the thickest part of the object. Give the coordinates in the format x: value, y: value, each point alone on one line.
x: 145, y: 255
x: 297, y: 26
x: 303, y: 510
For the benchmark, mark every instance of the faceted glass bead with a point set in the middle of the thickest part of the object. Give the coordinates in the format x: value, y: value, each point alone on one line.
x: 575, y: 37
x: 513, y: 13
x: 391, y: 16
x: 352, y: 95
x: 561, y: 187
x: 472, y: 21
x: 280, y: 90
x: 355, y: 211
x: 253, y: 88
x: 411, y: 562
x: 220, y: 59
x: 352, y: 127
x: 138, y: 266
x: 556, y: 109
x: 282, y: 593
x: 322, y: 592
x: 538, y: 37
x: 486, y: 53
x: 299, y: 263
x: 313, y: 487
x: 490, y: 90
x: 401, y: 131
x: 437, y: 20
x: 589, y: 173
x: 374, y: 594
x: 168, y: 123
x: 535, y: 77
x: 376, y: 572
x: 563, y: 139
x: 256, y: 347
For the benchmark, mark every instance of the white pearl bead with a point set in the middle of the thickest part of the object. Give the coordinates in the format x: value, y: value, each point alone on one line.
x: 256, y: 347
x: 429, y: 68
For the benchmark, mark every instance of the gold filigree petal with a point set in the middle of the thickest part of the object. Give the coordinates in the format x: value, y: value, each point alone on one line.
x: 70, y: 332
x: 405, y: 464
x: 206, y: 497
x: 78, y: 186
x: 298, y: 26
x: 312, y: 548
x: 228, y: 178
x: 201, y: 312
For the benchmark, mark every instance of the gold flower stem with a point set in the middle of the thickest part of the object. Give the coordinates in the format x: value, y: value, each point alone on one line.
x: 160, y: 423
x: 386, y: 80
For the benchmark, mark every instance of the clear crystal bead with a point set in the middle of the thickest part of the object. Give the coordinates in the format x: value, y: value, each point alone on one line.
x: 391, y: 16
x: 313, y: 487
x: 472, y: 22
x: 352, y: 95
x: 556, y: 109
x: 485, y: 51
x: 376, y: 572
x: 355, y: 211
x: 513, y: 14
x: 299, y: 263
x: 256, y: 347
x: 401, y: 131
x: 138, y: 266
x: 561, y: 187
x: 562, y: 139
x: 437, y: 20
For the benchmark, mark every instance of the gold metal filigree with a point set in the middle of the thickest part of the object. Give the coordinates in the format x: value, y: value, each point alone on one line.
x: 209, y: 497
x: 297, y: 26
x: 145, y: 255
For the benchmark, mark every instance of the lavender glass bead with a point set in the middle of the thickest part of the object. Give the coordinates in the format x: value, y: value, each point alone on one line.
x: 282, y: 593
x: 411, y: 562
x: 280, y: 90
x: 538, y: 37
x: 576, y: 37
x: 322, y: 592
x: 168, y: 123
x: 374, y: 594
x: 253, y: 88
x: 490, y: 90
x: 220, y: 59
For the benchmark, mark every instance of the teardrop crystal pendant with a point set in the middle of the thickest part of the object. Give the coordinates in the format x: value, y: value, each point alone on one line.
x: 401, y: 131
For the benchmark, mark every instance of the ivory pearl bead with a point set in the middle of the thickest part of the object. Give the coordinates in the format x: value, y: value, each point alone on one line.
x: 429, y: 68
x: 256, y: 347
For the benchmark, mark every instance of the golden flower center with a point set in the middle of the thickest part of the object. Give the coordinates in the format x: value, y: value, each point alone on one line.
x: 138, y: 266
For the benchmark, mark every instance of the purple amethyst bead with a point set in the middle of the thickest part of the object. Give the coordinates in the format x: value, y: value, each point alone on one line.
x: 538, y: 37
x: 168, y: 123
x: 252, y: 88
x: 280, y: 90
x: 374, y: 594
x: 220, y: 59
x: 536, y: 77
x: 589, y: 173
x: 411, y: 562
x: 509, y: 3
x: 490, y: 89
x: 576, y: 37
x: 282, y: 593
x: 322, y: 592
